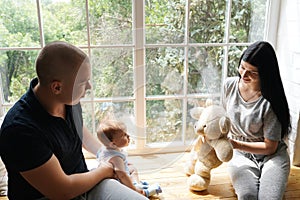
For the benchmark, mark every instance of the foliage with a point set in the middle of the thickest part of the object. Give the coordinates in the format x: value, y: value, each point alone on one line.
x: 110, y: 21
x: 20, y: 28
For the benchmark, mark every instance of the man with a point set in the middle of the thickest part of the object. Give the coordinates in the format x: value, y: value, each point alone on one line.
x: 43, y: 134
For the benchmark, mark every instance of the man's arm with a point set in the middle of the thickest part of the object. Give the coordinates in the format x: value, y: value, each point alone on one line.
x: 90, y: 143
x: 52, y: 182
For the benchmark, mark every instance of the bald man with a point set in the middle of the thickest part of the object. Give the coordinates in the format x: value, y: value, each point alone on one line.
x: 42, y: 135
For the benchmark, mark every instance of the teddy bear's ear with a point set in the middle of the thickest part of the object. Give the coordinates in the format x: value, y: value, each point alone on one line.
x: 224, y: 124
x: 196, y: 112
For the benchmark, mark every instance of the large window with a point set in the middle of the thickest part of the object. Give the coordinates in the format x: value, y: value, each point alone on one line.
x: 152, y: 60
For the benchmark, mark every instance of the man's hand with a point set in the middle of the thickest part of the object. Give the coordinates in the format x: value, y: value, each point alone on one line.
x: 108, y: 169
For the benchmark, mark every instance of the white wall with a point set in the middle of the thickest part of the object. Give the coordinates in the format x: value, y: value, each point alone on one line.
x: 288, y: 52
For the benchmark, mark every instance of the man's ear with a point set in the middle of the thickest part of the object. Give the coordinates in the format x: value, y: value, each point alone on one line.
x: 56, y: 87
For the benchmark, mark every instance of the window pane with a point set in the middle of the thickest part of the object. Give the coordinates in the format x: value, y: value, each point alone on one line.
x: 110, y: 21
x: 164, y: 21
x: 248, y: 20
x: 19, y: 24
x: 205, y: 69
x: 112, y: 72
x: 192, y: 103
x: 234, y: 55
x: 122, y: 111
x: 64, y: 20
x: 17, y: 69
x: 164, y: 69
x: 115, y: 110
x: 207, y: 21
x: 164, y: 120
x: 87, y: 114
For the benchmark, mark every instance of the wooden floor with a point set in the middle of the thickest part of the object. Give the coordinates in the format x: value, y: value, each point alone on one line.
x: 167, y: 170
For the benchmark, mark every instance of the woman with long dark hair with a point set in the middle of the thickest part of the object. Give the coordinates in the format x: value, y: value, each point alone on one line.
x: 257, y: 107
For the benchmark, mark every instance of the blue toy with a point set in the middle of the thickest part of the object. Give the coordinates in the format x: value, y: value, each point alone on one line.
x: 149, y: 190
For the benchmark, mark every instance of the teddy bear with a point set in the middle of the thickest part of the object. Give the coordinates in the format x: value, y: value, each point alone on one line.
x: 211, y: 148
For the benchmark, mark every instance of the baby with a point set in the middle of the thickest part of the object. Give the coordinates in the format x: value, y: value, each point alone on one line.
x: 113, y: 135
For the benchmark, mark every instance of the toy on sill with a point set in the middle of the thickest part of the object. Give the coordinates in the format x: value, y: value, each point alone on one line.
x: 211, y: 148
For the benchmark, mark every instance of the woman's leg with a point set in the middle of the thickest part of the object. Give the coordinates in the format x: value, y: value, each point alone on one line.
x: 110, y: 189
x: 274, y: 175
x: 244, y: 174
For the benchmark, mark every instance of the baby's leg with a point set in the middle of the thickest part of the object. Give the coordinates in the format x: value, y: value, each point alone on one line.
x: 133, y: 173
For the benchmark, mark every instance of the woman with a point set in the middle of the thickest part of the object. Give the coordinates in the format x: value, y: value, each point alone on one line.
x: 257, y: 107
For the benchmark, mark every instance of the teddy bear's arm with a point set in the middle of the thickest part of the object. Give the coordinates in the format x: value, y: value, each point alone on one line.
x: 223, y: 148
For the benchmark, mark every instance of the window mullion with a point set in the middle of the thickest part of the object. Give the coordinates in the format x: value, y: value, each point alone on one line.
x: 272, y: 18
x: 90, y: 54
x: 139, y: 73
x: 186, y: 70
x: 40, y: 20
x: 227, y: 36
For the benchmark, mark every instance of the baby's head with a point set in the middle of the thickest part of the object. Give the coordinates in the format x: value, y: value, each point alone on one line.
x: 113, y: 134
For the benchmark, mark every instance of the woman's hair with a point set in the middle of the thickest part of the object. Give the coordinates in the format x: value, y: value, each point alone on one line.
x: 262, y: 55
x: 107, y: 129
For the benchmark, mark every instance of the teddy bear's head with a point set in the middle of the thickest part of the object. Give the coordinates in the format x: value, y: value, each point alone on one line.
x: 212, y: 122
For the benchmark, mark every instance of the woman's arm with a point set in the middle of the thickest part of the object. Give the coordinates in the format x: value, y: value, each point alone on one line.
x: 267, y: 147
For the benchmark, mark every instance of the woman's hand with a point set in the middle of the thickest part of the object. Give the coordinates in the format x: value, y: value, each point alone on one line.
x: 234, y: 143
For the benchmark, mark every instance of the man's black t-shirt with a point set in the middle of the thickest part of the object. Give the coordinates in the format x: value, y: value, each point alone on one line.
x: 30, y: 136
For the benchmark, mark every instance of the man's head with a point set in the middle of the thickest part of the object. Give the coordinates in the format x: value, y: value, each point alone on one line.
x: 65, y: 69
